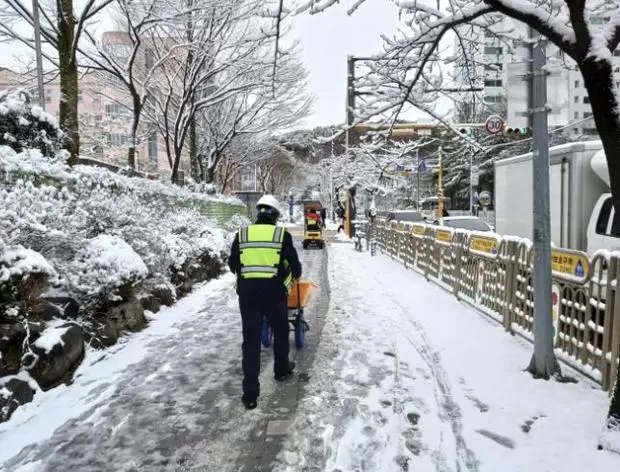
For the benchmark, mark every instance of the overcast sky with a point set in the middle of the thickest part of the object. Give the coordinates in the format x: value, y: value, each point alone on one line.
x: 328, y: 38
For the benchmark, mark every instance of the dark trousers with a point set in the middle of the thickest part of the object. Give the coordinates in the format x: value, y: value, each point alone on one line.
x: 253, y: 307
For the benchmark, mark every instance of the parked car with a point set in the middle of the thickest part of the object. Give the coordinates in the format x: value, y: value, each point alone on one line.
x: 408, y: 216
x: 471, y: 223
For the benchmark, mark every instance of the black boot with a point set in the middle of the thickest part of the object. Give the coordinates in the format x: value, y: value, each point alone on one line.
x: 281, y: 376
x: 249, y: 401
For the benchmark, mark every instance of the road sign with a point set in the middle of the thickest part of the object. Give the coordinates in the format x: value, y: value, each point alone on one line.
x: 475, y: 176
x: 494, y: 124
x: 570, y: 265
x: 485, y: 198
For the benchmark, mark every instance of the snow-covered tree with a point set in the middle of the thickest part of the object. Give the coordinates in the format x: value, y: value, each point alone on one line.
x: 125, y: 63
x: 61, y: 29
x: 273, y: 102
x: 214, y: 51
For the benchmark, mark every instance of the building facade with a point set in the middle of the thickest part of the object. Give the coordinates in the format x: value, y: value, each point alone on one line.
x: 499, y: 65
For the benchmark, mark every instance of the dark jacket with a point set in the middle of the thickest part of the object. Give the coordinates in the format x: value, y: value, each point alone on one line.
x: 266, y: 287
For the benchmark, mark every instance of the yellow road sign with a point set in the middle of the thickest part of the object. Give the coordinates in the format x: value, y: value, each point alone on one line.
x: 570, y: 265
x: 485, y: 246
x: 443, y: 236
x: 418, y: 230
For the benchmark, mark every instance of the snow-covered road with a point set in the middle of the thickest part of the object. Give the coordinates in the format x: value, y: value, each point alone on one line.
x: 397, y: 375
x: 408, y: 378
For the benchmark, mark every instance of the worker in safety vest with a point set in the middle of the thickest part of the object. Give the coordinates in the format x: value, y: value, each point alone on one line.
x: 266, y: 263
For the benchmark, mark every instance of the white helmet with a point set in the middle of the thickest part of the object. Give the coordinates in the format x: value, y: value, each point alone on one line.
x: 268, y: 201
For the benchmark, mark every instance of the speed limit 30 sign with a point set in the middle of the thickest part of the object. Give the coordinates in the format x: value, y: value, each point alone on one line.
x: 494, y: 124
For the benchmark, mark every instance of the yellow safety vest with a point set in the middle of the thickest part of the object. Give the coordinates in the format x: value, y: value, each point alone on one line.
x: 260, y: 248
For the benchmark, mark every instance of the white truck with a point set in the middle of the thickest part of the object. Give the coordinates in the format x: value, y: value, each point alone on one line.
x: 581, y: 208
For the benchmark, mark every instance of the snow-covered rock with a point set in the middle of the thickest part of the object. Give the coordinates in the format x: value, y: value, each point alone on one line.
x: 24, y: 275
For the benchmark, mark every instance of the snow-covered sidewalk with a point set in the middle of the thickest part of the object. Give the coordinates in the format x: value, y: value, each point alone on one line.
x: 408, y: 378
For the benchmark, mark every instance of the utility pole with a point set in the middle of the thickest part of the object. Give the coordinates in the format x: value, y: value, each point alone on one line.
x: 417, y: 193
x: 37, y: 47
x: 440, y: 186
x: 543, y: 363
x: 350, y: 104
x: 350, y: 118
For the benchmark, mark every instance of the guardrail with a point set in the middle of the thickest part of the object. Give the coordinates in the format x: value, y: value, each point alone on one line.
x: 494, y: 274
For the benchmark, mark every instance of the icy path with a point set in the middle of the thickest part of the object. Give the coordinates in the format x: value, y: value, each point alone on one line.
x: 167, y: 399
x: 408, y: 378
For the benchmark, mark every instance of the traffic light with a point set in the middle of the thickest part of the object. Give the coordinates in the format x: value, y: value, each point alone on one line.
x: 524, y: 132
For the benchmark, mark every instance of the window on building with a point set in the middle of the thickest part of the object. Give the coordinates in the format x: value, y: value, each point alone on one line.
x: 117, y: 139
x: 576, y: 99
x: 493, y: 98
x: 586, y: 100
x: 493, y: 83
x: 153, y: 147
x: 575, y: 130
x: 495, y: 67
x: 98, y: 118
x: 587, y: 114
x: 617, y: 52
x: 577, y: 84
x: 48, y: 97
x: 576, y: 115
x: 492, y: 50
x: 116, y: 109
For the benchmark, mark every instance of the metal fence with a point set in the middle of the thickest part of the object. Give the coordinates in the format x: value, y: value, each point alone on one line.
x: 494, y: 274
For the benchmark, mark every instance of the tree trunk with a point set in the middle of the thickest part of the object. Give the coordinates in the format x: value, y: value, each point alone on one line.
x: 68, y: 110
x: 193, y: 150
x: 210, y: 177
x: 599, y: 81
x: 137, y: 110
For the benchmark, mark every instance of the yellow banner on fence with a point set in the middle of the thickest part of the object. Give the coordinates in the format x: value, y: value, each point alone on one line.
x: 484, y: 245
x: 443, y: 236
x: 571, y: 265
x: 418, y: 230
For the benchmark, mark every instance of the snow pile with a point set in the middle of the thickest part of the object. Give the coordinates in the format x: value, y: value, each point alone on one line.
x: 20, y: 269
x: 25, y: 125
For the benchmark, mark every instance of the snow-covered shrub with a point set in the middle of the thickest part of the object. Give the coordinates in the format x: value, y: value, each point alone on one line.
x: 24, y: 275
x: 60, y: 212
x: 107, y: 268
x: 23, y: 124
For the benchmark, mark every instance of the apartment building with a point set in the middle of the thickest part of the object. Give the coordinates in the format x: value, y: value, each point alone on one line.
x: 498, y: 65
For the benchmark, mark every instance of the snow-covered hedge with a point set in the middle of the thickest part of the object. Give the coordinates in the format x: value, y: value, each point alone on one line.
x: 23, y: 124
x: 104, y: 233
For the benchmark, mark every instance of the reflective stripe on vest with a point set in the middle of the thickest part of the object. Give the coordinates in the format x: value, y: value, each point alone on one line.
x: 260, y: 247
